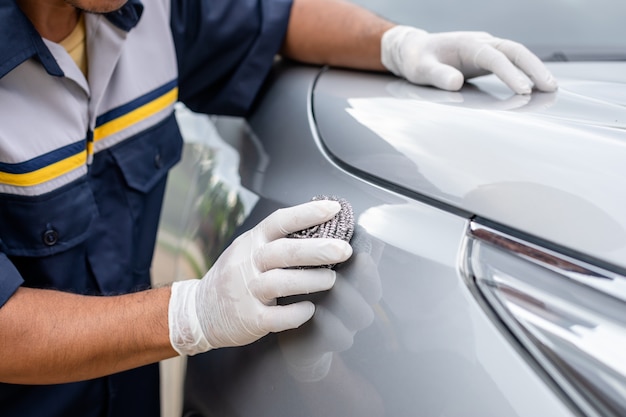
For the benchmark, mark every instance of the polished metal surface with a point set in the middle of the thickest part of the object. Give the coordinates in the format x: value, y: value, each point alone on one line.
x: 568, y: 314
x: 490, y: 230
x: 399, y: 335
x: 608, y: 282
x: 550, y: 165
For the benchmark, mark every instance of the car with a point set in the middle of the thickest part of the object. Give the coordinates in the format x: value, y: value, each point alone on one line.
x: 489, y: 268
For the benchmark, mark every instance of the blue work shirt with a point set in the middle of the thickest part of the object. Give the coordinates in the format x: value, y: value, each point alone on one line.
x: 84, y: 160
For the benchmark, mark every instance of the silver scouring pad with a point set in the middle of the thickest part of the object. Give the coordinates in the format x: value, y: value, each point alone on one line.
x: 339, y: 227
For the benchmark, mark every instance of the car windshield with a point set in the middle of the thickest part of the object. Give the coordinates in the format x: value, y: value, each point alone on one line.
x: 556, y: 30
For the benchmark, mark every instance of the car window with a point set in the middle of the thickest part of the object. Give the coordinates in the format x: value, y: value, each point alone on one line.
x: 554, y: 29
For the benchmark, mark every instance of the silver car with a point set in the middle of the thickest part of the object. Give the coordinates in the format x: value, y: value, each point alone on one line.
x: 489, y: 267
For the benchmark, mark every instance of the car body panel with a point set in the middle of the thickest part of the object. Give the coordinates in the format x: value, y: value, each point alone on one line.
x: 406, y: 331
x: 541, y: 164
x: 400, y: 334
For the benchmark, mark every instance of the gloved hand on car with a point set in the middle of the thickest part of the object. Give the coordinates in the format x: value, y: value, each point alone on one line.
x: 445, y: 60
x: 234, y: 304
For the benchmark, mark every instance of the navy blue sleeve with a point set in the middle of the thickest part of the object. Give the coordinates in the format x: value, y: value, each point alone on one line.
x: 10, y: 279
x: 225, y: 49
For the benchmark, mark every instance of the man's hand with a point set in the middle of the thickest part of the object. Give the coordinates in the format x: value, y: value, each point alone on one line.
x: 445, y: 60
x: 235, y: 303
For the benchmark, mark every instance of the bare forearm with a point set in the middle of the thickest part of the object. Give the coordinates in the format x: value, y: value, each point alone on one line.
x: 53, y: 337
x: 334, y: 32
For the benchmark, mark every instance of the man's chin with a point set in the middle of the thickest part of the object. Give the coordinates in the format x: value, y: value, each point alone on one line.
x: 97, y: 6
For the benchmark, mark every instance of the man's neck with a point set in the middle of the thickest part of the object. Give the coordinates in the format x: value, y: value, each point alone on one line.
x: 54, y: 20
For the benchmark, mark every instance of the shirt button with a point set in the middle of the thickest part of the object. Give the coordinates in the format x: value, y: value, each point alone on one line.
x: 158, y: 161
x: 50, y: 237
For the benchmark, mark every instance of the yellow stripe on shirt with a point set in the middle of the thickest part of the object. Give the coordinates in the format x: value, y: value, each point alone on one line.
x: 136, y: 116
x: 46, y: 173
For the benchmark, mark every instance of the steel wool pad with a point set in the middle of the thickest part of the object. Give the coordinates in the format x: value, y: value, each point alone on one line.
x: 339, y: 227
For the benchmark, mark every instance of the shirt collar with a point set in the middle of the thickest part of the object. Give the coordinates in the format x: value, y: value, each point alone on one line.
x: 20, y: 41
x: 128, y: 16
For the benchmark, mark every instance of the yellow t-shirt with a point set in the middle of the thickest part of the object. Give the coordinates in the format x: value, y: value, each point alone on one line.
x: 76, y: 46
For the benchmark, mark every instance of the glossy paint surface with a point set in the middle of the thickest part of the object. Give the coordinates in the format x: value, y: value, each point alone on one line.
x: 405, y: 332
x: 550, y: 165
x: 401, y: 333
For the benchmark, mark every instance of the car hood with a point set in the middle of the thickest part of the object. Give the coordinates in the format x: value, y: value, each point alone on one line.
x: 552, y: 165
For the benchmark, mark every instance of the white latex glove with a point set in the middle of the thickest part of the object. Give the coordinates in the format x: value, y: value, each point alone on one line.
x: 234, y: 304
x: 446, y: 59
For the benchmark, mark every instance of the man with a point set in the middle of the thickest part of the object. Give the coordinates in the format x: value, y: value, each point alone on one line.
x: 87, y: 135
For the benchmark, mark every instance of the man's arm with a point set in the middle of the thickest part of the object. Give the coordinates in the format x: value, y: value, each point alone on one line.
x: 54, y: 337
x: 50, y: 336
x: 336, y: 33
